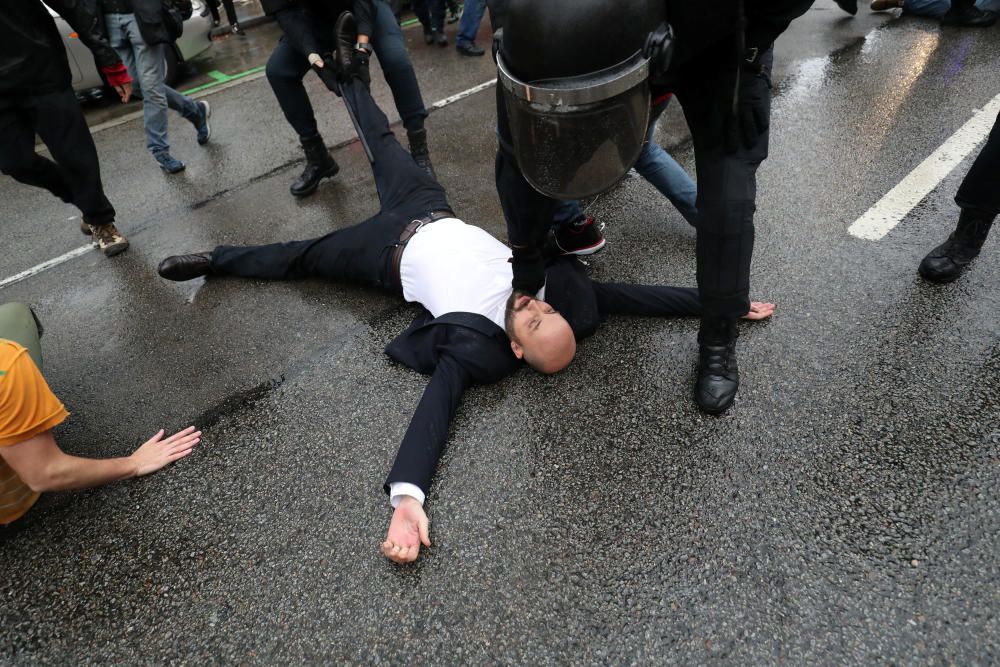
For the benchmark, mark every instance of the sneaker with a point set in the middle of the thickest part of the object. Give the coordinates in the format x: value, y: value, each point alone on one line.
x: 581, y: 237
x: 201, y: 123
x: 169, y: 163
x: 441, y: 38
x: 109, y: 240
x: 469, y: 49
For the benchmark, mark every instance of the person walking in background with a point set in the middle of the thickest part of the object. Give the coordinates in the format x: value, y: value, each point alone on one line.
x: 430, y: 13
x: 234, y: 24
x: 36, y: 97
x: 472, y: 16
x: 138, y: 33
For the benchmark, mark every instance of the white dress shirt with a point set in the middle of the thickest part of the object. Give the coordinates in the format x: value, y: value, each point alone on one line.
x: 448, y: 267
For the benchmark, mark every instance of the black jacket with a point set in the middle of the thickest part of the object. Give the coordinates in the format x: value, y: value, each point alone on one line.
x: 308, y: 24
x: 461, y: 349
x: 148, y: 16
x: 32, y: 56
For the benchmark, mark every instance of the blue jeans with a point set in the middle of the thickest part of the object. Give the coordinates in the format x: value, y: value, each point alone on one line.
x: 659, y: 169
x: 937, y: 8
x: 472, y: 15
x: 146, y: 65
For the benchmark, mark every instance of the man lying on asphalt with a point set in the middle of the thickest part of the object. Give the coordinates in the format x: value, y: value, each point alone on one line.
x: 474, y: 329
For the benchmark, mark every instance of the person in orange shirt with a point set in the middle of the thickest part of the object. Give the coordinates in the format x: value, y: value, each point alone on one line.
x: 30, y: 460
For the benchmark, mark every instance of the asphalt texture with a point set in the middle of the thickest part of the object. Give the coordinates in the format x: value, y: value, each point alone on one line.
x: 845, y: 511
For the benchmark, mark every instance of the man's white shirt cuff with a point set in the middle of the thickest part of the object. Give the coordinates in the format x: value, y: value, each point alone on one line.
x: 399, y: 489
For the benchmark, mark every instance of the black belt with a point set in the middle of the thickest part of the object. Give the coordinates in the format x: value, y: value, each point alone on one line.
x: 404, y: 237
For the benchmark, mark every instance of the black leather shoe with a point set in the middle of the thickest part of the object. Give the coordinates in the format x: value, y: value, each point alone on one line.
x: 346, y: 31
x: 185, y: 267
x: 469, y: 49
x: 950, y: 259
x: 718, y: 372
x: 319, y: 165
x: 849, y: 6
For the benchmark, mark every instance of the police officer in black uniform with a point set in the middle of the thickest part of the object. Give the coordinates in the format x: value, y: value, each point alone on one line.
x: 575, y: 81
x: 309, y: 28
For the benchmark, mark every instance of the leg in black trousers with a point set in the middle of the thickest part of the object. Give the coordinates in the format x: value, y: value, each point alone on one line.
x: 360, y: 253
x: 75, y: 174
x: 979, y: 199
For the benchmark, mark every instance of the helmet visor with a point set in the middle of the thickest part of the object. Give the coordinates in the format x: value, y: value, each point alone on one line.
x: 578, y: 136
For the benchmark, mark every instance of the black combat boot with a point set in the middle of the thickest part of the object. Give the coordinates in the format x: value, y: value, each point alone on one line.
x: 418, y: 149
x: 950, y: 259
x: 319, y: 165
x: 718, y: 373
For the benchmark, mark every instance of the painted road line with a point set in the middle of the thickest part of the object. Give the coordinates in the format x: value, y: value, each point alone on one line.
x: 45, y: 266
x: 881, y: 218
x: 440, y: 104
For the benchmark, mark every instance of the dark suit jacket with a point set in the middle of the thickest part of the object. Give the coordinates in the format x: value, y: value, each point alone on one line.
x: 461, y: 349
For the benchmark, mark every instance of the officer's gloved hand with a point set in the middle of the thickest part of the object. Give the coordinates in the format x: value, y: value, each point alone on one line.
x: 359, y: 66
x: 751, y: 118
x: 326, y: 68
x: 529, y: 270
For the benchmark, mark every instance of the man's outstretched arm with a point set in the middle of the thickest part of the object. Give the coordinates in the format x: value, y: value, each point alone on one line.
x: 417, y: 459
x: 660, y: 301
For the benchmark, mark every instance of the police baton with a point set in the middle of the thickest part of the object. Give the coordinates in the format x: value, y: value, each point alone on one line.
x: 328, y: 76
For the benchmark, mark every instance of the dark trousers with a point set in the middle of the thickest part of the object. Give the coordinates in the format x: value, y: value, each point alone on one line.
x: 213, y: 7
x: 362, y: 253
x: 430, y: 13
x: 980, y: 190
x: 727, y: 181
x: 286, y: 67
x: 75, y: 174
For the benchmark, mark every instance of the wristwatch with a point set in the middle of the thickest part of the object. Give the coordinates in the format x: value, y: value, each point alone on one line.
x: 363, y: 46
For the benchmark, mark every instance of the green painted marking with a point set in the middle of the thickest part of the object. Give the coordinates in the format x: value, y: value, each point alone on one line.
x: 226, y: 78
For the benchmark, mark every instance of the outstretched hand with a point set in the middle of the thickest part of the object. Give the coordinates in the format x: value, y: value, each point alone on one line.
x: 407, y: 530
x: 157, y: 452
x: 759, y: 311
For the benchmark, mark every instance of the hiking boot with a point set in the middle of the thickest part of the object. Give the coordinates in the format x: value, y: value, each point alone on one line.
x: 950, y: 259
x: 581, y: 236
x: 169, y: 163
x: 718, y: 372
x: 201, y: 123
x: 109, y: 240
x: 418, y: 149
x: 185, y: 267
x: 319, y: 165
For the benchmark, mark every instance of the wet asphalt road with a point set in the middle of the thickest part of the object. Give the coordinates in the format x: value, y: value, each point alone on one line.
x: 844, y: 512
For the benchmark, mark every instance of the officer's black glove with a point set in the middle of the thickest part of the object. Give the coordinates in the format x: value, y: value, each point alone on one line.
x: 359, y: 66
x: 326, y: 68
x: 750, y: 118
x: 529, y: 270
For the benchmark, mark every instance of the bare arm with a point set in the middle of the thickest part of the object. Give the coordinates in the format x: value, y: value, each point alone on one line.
x: 44, y: 467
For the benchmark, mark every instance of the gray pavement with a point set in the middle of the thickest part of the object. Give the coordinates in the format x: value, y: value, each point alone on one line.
x: 844, y: 512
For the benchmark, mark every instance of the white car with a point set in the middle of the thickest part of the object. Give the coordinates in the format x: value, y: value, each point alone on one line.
x: 194, y: 41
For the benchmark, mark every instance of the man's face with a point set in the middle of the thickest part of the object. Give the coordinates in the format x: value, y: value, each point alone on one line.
x: 538, y: 333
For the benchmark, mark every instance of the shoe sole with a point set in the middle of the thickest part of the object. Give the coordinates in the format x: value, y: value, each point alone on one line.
x: 208, y: 126
x: 115, y: 249
x: 173, y: 171
x: 330, y: 174
x: 589, y: 250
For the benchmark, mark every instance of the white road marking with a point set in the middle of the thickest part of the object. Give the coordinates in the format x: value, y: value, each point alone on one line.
x: 881, y: 218
x: 72, y: 254
x: 45, y: 266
